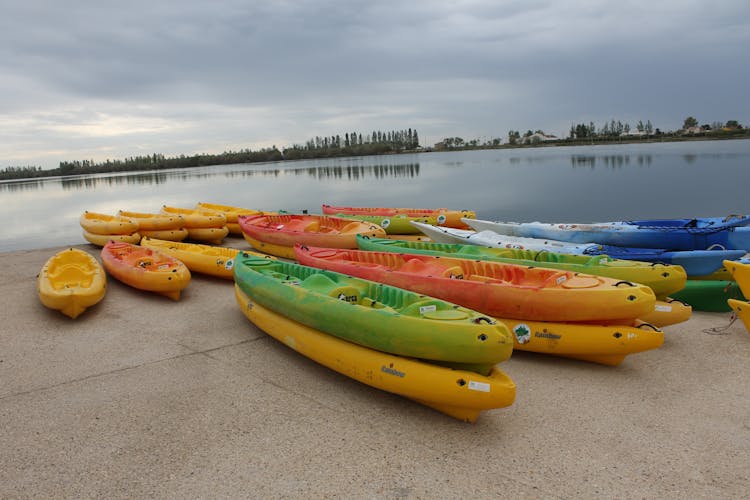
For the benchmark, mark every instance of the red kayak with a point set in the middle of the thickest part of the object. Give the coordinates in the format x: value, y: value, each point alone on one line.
x: 493, y: 288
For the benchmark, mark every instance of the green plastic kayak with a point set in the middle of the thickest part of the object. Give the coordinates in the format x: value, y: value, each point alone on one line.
x: 374, y: 315
x: 709, y: 295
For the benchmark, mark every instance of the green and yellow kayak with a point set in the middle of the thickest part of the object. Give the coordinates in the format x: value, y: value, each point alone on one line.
x: 458, y: 393
x: 375, y: 315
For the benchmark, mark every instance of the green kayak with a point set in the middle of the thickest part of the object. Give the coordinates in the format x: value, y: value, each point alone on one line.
x: 663, y: 279
x: 375, y: 315
x: 709, y: 295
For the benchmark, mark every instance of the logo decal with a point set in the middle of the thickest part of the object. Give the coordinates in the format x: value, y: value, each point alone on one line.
x: 522, y: 333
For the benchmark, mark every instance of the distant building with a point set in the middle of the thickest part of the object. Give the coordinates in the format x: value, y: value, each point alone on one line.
x: 536, y: 138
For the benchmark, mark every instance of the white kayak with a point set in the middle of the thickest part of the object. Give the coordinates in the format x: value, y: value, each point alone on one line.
x: 695, y: 262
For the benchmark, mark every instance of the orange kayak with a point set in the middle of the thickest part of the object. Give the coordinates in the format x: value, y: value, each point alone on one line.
x: 493, y: 288
x: 442, y: 216
x: 277, y: 234
x: 145, y: 268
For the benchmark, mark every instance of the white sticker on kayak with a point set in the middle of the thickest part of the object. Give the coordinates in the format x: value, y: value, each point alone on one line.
x: 385, y: 223
x: 427, y: 309
x: 479, y: 386
x: 441, y: 219
x: 229, y: 264
x: 562, y: 279
x: 603, y: 261
x: 663, y: 308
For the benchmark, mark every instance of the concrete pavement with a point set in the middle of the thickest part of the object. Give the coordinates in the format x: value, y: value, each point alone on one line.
x: 145, y: 397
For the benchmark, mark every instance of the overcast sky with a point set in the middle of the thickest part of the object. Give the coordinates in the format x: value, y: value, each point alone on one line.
x: 101, y: 79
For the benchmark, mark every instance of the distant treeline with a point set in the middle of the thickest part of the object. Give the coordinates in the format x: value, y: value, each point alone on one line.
x: 355, y: 144
x: 352, y: 144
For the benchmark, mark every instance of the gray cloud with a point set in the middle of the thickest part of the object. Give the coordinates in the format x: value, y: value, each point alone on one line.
x: 96, y: 80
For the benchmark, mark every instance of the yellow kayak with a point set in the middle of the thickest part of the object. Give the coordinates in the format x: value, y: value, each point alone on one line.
x: 154, y: 222
x: 71, y: 281
x: 740, y: 273
x: 206, y: 259
x: 101, y: 239
x: 96, y: 223
x: 231, y: 213
x: 742, y: 310
x: 603, y: 344
x: 178, y: 234
x: 458, y: 393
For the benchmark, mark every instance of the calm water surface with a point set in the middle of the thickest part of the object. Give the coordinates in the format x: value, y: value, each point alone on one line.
x: 559, y: 184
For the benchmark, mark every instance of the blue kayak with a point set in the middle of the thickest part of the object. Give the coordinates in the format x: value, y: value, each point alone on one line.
x: 671, y: 234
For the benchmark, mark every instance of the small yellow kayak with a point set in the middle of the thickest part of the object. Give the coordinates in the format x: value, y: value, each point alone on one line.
x: 206, y: 259
x: 154, y: 222
x: 97, y: 223
x: 101, y: 239
x: 740, y: 272
x: 71, y: 281
x: 231, y: 213
x: 459, y: 393
x: 742, y: 309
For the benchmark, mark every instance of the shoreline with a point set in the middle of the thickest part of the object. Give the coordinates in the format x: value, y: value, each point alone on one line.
x: 144, y: 396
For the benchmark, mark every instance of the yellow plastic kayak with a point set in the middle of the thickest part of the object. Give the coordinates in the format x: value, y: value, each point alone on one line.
x: 206, y: 259
x: 231, y: 213
x: 96, y: 223
x: 603, y: 344
x: 740, y: 273
x: 101, y: 239
x: 145, y: 269
x: 668, y: 312
x: 458, y: 393
x: 71, y: 281
x: 154, y: 222
x: 166, y: 234
x: 742, y: 309
x: 197, y: 217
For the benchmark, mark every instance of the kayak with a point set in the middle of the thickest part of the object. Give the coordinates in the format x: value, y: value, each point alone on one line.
x: 277, y: 234
x: 740, y: 272
x: 145, y: 268
x: 458, y: 393
x: 398, y: 224
x: 442, y: 216
x: 201, y: 224
x: 71, y: 281
x: 205, y: 259
x: 695, y: 262
x: 231, y: 213
x: 166, y: 234
x: 374, y: 315
x: 154, y: 222
x: 709, y: 295
x: 663, y: 279
x: 602, y: 344
x: 671, y: 234
x: 105, y: 224
x: 494, y: 288
x: 101, y: 239
x: 742, y: 309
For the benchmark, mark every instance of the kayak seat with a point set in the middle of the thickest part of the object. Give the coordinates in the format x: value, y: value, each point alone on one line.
x: 70, y: 276
x: 312, y: 227
x: 352, y: 227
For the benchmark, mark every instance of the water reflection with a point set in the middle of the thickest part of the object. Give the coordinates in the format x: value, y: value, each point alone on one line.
x: 348, y: 172
x: 609, y: 161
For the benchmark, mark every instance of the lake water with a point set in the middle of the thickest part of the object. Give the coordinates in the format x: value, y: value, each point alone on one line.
x: 555, y: 184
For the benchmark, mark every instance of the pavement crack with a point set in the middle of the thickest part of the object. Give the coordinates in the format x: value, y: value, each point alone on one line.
x: 192, y: 352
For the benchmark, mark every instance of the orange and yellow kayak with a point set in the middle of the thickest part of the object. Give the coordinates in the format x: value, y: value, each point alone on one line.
x: 145, y: 268
x: 277, y: 234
